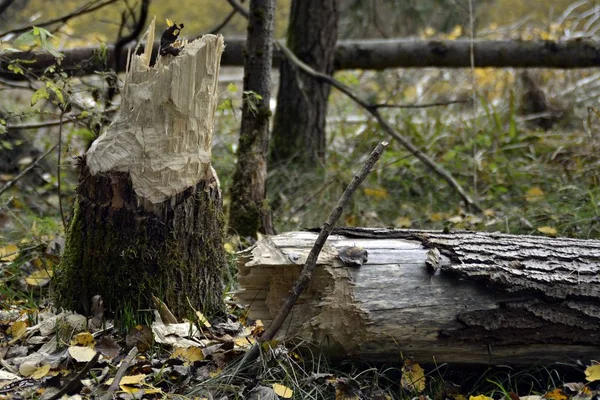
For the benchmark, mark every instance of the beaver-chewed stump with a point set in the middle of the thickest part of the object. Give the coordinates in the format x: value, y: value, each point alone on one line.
x: 147, y: 218
x: 461, y: 297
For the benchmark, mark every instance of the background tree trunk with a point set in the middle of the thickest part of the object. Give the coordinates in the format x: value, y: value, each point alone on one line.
x: 249, y: 213
x: 299, y: 125
x: 148, y: 215
x: 494, y: 298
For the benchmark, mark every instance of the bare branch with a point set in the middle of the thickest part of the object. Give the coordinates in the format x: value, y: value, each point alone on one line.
x: 239, y: 8
x: 31, y: 166
x: 424, y: 105
x: 86, y: 9
x: 222, y: 25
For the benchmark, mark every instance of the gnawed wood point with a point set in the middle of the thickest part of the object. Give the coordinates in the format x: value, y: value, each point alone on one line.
x: 162, y: 133
x: 495, y: 298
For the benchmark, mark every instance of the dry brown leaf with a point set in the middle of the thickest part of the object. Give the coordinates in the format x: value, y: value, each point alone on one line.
x: 413, y: 377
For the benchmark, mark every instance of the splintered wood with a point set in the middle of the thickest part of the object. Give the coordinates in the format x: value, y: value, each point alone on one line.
x: 493, y: 298
x: 162, y: 133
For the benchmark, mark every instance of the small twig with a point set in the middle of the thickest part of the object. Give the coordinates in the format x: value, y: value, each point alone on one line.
x: 311, y: 260
x: 38, y: 125
x: 72, y: 384
x: 423, y: 105
x: 114, y: 386
x: 59, y: 145
x: 239, y: 8
x: 31, y: 166
x: 81, y: 11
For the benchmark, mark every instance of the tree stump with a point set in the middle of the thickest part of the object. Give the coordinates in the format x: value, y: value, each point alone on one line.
x: 461, y: 297
x: 148, y: 215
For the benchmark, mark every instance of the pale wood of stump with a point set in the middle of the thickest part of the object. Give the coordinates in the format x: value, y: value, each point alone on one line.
x: 162, y: 133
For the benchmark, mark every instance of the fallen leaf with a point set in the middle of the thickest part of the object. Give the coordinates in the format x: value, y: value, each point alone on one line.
x: 403, y: 222
x: 9, y: 252
x: 190, y: 354
x: 39, y: 277
x: 534, y: 194
x: 41, y: 372
x: 282, y: 391
x: 129, y: 380
x: 81, y: 354
x: 244, y: 341
x: 592, y: 373
x: 202, y: 319
x: 17, y: 331
x: 413, y: 377
x: 376, y: 193
x: 480, y: 397
x: 556, y: 394
x: 83, y: 339
x: 547, y: 230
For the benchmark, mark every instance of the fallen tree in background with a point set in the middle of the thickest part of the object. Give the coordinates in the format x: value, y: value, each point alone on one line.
x: 491, y: 298
x: 358, y: 54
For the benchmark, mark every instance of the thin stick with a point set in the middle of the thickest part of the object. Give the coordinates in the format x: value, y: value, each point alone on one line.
x: 60, y: 206
x: 86, y: 9
x: 114, y: 386
x: 31, y: 166
x: 423, y: 105
x: 311, y: 260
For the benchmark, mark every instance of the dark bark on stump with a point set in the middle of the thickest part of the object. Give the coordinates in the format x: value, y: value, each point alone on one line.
x: 148, y: 215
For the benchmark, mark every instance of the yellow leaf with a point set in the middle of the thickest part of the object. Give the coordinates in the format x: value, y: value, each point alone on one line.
x: 413, y: 377
x: 456, y: 32
x: 376, y: 193
x: 8, y: 252
x: 403, y: 222
x: 190, y: 354
x: 202, y: 319
x: 555, y: 394
x: 17, y: 331
x: 39, y: 277
x: 83, y: 339
x: 282, y: 391
x: 244, y: 341
x: 81, y: 354
x: 129, y: 380
x: 480, y: 397
x: 436, y: 217
x: 41, y: 372
x: 547, y: 230
x: 229, y: 248
x: 592, y: 373
x: 534, y: 194
x: 489, y: 212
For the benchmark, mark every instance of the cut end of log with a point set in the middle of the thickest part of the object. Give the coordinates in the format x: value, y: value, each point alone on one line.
x: 490, y: 298
x: 162, y: 133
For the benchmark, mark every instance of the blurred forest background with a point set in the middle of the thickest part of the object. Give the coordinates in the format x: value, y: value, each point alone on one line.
x: 534, y: 174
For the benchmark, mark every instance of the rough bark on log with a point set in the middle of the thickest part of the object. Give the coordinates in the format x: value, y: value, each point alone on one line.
x: 495, y: 298
x: 148, y: 214
x: 359, y: 54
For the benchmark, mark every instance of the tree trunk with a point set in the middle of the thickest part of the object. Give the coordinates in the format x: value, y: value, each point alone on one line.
x: 493, y: 298
x: 361, y: 54
x: 148, y: 214
x: 249, y: 212
x: 299, y: 125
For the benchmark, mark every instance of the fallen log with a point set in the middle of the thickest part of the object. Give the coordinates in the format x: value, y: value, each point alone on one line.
x: 489, y: 298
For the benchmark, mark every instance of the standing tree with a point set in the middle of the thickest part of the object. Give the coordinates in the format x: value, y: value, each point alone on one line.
x: 148, y: 215
x: 299, y: 126
x: 249, y: 212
